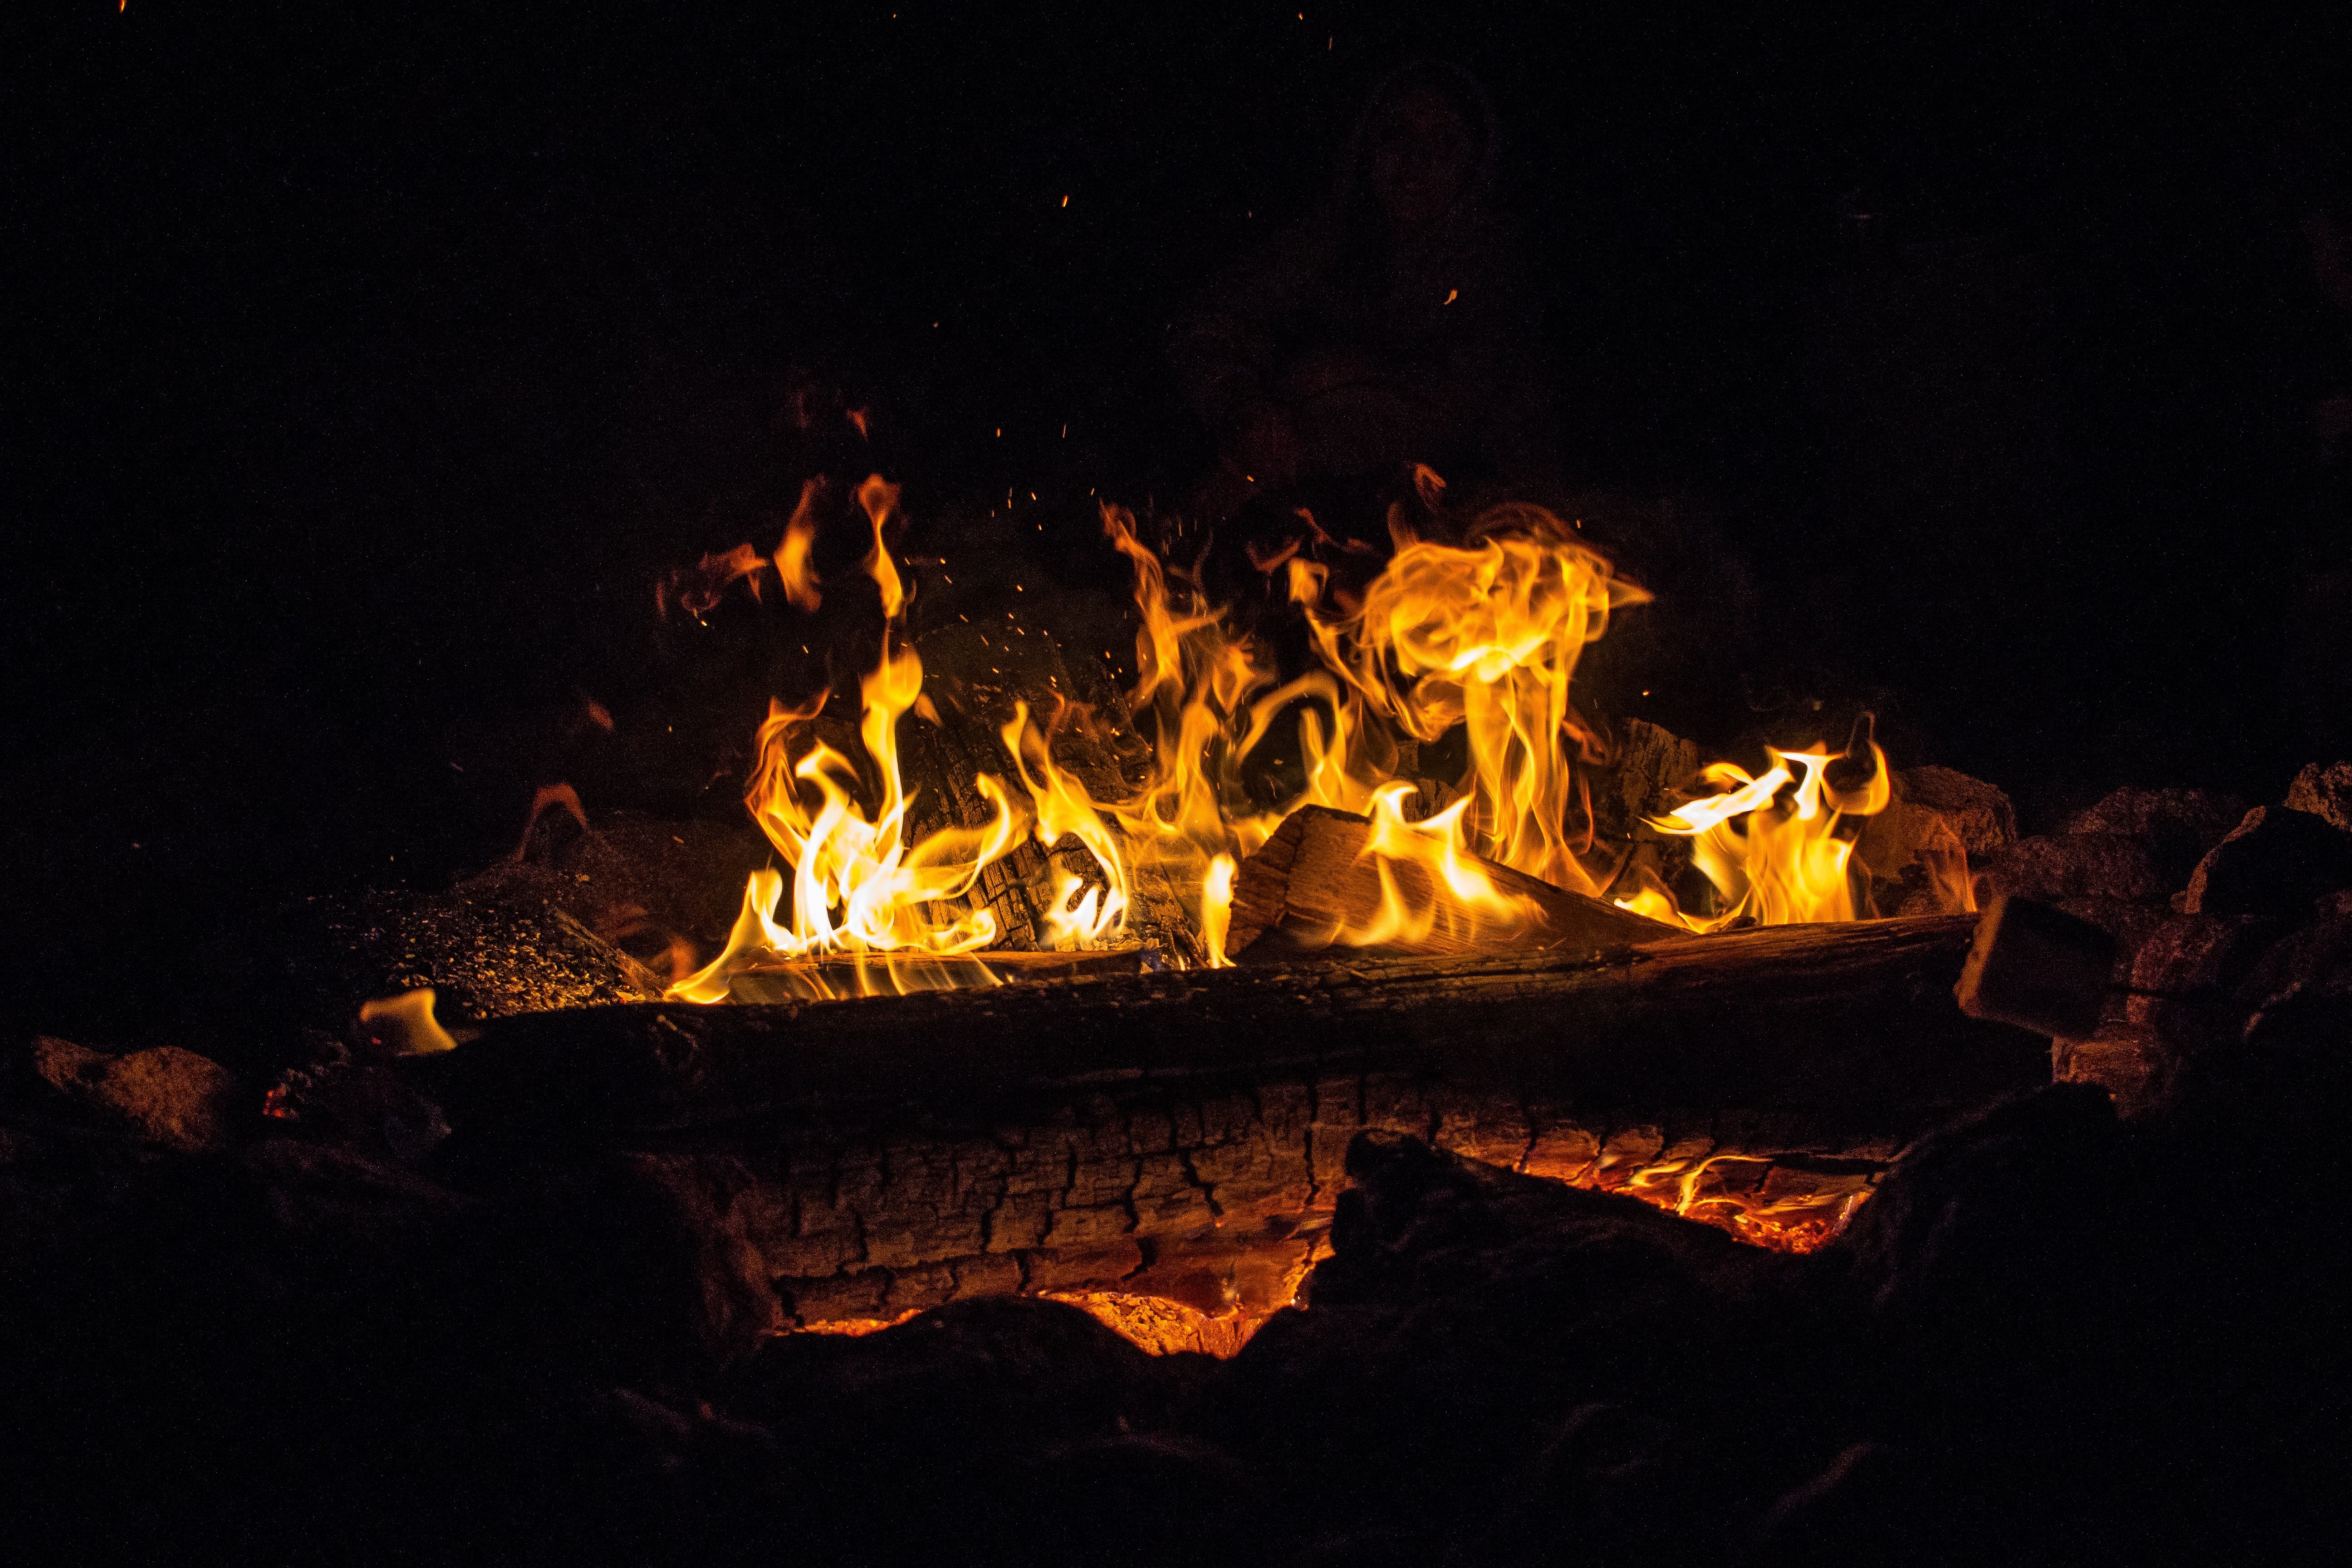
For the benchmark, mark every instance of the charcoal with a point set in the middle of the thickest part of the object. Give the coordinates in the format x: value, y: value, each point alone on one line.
x: 1469, y: 1314
x: 165, y: 1095
x: 2274, y: 862
x: 2081, y: 866
x: 1647, y: 767
x: 2326, y: 792
x: 2178, y: 825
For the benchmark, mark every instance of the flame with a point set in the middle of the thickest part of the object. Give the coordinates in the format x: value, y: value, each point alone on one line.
x: 1773, y: 861
x: 1064, y: 809
x: 403, y: 1022
x: 791, y: 558
x: 1488, y: 636
x: 1482, y: 636
x: 859, y: 888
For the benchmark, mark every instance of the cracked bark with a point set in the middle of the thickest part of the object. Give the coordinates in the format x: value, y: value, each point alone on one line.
x: 1181, y: 1135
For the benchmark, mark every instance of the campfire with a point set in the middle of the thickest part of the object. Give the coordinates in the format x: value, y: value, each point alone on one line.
x: 1333, y: 1033
x: 1115, y: 971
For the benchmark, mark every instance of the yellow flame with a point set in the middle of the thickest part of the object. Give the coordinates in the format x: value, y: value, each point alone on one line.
x: 1488, y: 636
x: 859, y: 888
x: 1774, y: 860
x: 405, y: 1022
x: 1482, y: 636
x: 1064, y: 809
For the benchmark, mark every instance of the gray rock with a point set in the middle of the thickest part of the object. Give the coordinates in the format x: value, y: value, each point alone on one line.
x: 2178, y: 825
x: 2186, y: 954
x: 2080, y: 865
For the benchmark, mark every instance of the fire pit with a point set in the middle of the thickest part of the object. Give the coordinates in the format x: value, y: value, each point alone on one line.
x: 1063, y: 1008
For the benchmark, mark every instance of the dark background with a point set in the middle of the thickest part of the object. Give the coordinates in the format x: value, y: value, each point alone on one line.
x: 368, y: 372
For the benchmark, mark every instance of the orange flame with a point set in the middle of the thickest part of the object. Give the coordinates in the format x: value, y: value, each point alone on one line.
x: 1773, y: 861
x: 1488, y: 636
x: 1484, y: 636
x: 792, y: 557
x: 859, y: 888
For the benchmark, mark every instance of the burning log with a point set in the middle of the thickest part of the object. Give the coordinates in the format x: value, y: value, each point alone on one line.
x: 1180, y: 1135
x: 1317, y: 875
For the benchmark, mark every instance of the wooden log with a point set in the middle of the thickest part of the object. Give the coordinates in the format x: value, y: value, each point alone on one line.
x: 1313, y: 877
x: 1832, y: 1021
x: 1180, y: 1135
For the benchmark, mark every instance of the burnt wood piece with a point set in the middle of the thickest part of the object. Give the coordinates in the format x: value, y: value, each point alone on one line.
x: 785, y: 980
x: 1312, y: 876
x: 1181, y: 1135
x: 1845, y: 1023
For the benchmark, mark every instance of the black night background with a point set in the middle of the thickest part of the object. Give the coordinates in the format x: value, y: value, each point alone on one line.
x: 371, y: 370
x: 368, y: 372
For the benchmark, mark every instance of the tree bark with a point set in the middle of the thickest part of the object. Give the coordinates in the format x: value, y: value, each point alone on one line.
x: 1180, y: 1135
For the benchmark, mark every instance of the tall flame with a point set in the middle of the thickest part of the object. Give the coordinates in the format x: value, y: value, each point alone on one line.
x: 858, y: 887
x: 1488, y: 636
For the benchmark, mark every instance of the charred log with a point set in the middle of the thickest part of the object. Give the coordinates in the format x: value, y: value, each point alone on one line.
x: 1180, y: 1135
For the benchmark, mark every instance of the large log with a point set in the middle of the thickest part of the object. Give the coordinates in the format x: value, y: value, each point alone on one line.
x: 1180, y: 1135
x: 1314, y: 877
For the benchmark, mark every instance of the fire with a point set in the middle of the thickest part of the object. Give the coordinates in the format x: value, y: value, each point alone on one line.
x: 1765, y: 1204
x: 1482, y: 637
x: 1774, y: 860
x: 1486, y: 636
x: 859, y: 888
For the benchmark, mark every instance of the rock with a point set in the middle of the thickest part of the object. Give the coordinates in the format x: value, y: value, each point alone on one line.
x: 1519, y: 1345
x: 2326, y: 792
x: 2178, y: 825
x: 2300, y: 994
x: 2275, y: 862
x: 730, y: 1306
x: 2130, y: 1062
x: 2186, y: 954
x: 2079, y: 866
x: 2130, y: 923
x: 1978, y: 812
x: 331, y: 1192
x: 165, y: 1095
x: 1900, y: 844
x: 1979, y: 1260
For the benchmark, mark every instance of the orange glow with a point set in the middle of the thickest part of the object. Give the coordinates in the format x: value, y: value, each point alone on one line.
x: 1751, y: 1197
